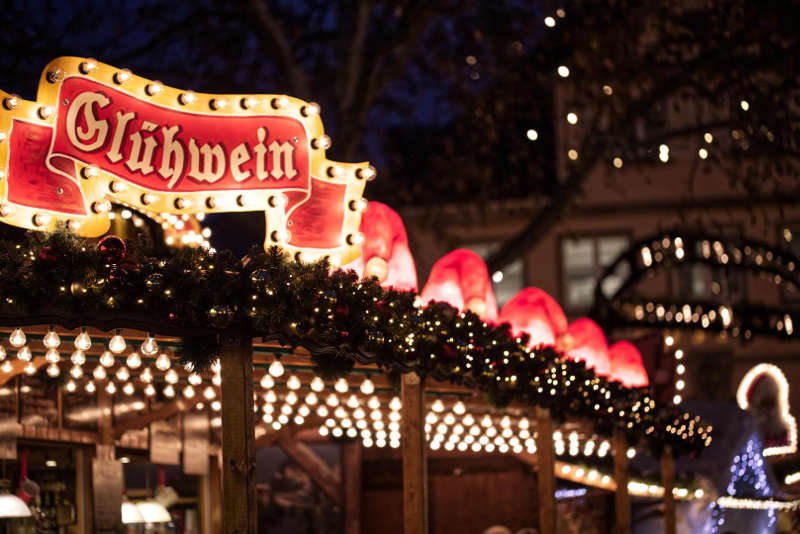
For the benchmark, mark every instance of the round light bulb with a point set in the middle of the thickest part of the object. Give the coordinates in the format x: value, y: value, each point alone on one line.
x: 30, y: 369
x: 17, y: 338
x: 51, y: 340
x: 459, y: 408
x: 341, y: 386
x: 367, y: 387
x: 76, y: 372
x: 99, y: 373
x: 149, y: 390
x: 149, y: 346
x: 2, y: 353
x: 107, y: 359
x: 78, y: 357
x: 209, y: 393
x: 146, y: 375
x: 90, y: 387
x: 111, y: 388
x: 117, y: 343
x: 171, y: 377
x: 276, y: 368
x: 168, y: 391
x: 128, y: 388
x: 163, y: 362
x: 123, y: 374
x: 24, y: 354
x: 134, y: 361
x: 53, y: 370
x: 195, y: 379
x: 317, y: 384
x: 267, y: 382
x: 83, y: 341
x: 293, y: 382
x: 71, y: 386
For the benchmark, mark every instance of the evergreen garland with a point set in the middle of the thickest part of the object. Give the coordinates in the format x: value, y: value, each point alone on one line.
x: 206, y: 298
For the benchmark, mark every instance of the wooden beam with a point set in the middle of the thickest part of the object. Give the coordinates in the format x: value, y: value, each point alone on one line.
x: 163, y: 412
x: 238, y: 438
x: 668, y: 481
x: 18, y: 368
x: 322, y: 475
x: 546, y: 471
x: 415, y: 469
x: 622, y: 501
x: 351, y: 484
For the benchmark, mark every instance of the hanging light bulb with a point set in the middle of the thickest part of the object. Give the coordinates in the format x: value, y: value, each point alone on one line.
x: 267, y: 382
x: 216, y: 380
x: 53, y: 370
x: 24, y: 354
x: 90, y: 387
x: 76, y: 372
x: 276, y: 368
x: 78, y: 357
x: 291, y: 398
x: 2, y: 353
x: 17, y: 338
x: 352, y: 402
x: 459, y: 408
x: 374, y: 403
x: 209, y: 393
x: 134, y: 361
x: 341, y: 386
x: 195, y: 379
x: 395, y: 405
x: 149, y: 390
x: 367, y: 387
x: 107, y: 358
x: 149, y: 346
x: 437, y: 406
x: 71, y: 386
x: 163, y: 362
x: 128, y: 388
x: 52, y: 356
x: 111, y: 388
x: 30, y: 369
x: 311, y: 399
x: 83, y: 341
x: 168, y: 391
x: 123, y: 374
x: 117, y: 343
x: 293, y: 382
x: 317, y: 384
x: 6, y: 367
x: 51, y: 339
x: 332, y: 400
x: 146, y: 375
x: 99, y: 373
x: 171, y: 377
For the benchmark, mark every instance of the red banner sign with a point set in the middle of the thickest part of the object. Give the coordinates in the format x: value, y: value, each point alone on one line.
x: 97, y: 134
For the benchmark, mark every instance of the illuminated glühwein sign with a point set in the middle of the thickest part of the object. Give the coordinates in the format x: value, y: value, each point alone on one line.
x: 97, y: 134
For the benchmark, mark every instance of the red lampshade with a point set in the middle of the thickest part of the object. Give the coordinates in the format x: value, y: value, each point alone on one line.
x: 585, y: 341
x: 536, y: 313
x: 461, y: 279
x: 626, y: 365
x: 385, y: 252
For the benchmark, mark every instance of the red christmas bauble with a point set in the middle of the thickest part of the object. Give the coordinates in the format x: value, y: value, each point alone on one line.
x: 112, y: 249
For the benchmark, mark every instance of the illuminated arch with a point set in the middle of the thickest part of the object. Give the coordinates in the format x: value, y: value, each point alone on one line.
x: 744, y: 395
x: 617, y: 305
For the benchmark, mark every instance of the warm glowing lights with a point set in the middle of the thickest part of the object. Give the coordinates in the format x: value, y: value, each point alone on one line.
x: 745, y: 389
x: 17, y: 338
x: 663, y: 153
x: 51, y: 339
x: 267, y: 382
x: 550, y: 22
x: 572, y: 118
x: 563, y: 71
x: 276, y: 368
x: 532, y: 134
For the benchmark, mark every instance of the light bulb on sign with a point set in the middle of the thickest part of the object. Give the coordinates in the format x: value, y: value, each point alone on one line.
x: 51, y: 339
x: 117, y: 343
x: 17, y: 338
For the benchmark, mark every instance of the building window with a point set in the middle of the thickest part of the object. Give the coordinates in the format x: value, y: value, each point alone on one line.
x: 506, y: 282
x: 583, y: 261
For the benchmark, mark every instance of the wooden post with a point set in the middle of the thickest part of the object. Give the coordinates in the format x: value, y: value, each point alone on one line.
x: 84, y: 507
x: 351, y: 484
x: 105, y: 424
x: 668, y: 481
x: 546, y: 471
x: 239, y: 514
x: 415, y: 469
x: 622, y: 501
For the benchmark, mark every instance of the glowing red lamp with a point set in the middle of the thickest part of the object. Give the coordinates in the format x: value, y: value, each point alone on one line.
x: 461, y: 279
x: 384, y: 252
x: 536, y: 313
x: 585, y: 341
x: 627, y: 366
